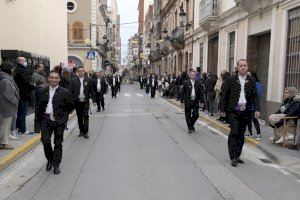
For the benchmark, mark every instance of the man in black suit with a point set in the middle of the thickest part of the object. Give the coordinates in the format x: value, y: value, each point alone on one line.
x: 141, y: 81
x: 153, y: 83
x: 238, y: 97
x: 119, y: 78
x: 113, y: 82
x: 53, y: 111
x: 82, y: 90
x: 147, y: 83
x: 191, y: 93
x: 100, y: 87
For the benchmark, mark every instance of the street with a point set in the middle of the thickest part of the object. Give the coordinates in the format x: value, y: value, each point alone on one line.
x: 139, y: 149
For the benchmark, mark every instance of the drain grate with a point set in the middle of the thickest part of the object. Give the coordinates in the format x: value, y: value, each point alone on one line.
x: 265, y: 161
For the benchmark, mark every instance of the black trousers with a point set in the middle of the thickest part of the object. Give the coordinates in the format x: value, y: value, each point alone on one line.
x: 114, y: 91
x: 153, y: 92
x: 255, y: 122
x: 147, y: 89
x: 100, y: 100
x: 119, y: 87
x: 141, y: 85
x: 191, y: 113
x: 82, y: 111
x: 47, y: 128
x: 236, y: 138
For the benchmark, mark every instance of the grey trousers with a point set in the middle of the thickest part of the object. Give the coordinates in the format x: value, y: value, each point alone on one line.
x: 5, y: 125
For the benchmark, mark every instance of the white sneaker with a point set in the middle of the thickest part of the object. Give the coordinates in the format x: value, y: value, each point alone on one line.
x: 12, y: 137
x: 28, y: 132
x: 290, y: 137
x: 280, y: 140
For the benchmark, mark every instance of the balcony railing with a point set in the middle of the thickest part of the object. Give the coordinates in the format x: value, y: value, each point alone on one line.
x: 208, y: 8
x: 177, y: 38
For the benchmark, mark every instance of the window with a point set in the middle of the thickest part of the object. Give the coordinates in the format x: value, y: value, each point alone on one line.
x: 71, y: 6
x: 292, y: 71
x: 68, y: 32
x: 78, y: 31
x: 231, y: 50
x: 201, y: 56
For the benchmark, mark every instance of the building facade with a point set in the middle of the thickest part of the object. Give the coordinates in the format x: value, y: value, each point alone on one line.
x: 87, y: 28
x: 30, y: 26
x: 262, y: 31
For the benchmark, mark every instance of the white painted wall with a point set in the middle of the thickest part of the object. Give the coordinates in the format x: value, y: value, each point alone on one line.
x: 32, y: 26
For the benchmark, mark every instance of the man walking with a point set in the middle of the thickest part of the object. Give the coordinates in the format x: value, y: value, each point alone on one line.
x: 119, y: 81
x: 153, y: 82
x: 100, y: 86
x: 82, y: 90
x: 238, y: 97
x: 53, y: 111
x: 141, y: 80
x: 191, y: 93
x: 147, y: 82
x: 114, y: 86
x: 24, y: 83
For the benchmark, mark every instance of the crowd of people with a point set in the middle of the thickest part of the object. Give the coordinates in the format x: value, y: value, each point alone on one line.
x: 56, y: 94
x: 234, y: 97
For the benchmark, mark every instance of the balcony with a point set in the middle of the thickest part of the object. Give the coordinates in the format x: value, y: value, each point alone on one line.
x: 254, y: 5
x: 177, y: 38
x: 208, y: 13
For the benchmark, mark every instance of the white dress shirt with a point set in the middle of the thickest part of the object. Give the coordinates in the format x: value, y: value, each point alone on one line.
x: 81, y: 95
x: 114, y: 81
x: 98, y: 85
x: 193, y: 94
x: 49, y: 109
x: 153, y: 82
x: 141, y: 79
x: 148, y: 81
x: 242, y: 99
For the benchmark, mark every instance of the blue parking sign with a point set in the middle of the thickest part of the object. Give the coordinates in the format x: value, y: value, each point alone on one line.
x: 91, y: 55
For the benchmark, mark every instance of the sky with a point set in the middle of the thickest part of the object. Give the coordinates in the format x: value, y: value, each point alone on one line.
x: 128, y: 12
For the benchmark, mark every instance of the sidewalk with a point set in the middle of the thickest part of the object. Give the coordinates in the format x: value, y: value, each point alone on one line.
x: 284, y: 157
x: 21, y: 146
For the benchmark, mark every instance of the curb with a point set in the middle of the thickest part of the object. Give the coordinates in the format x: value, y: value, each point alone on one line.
x: 23, y: 149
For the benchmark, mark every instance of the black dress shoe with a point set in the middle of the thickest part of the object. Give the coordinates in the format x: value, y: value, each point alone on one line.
x: 49, y: 166
x: 86, y: 136
x: 234, y: 162
x: 240, y: 161
x: 190, y: 131
x: 98, y: 110
x: 56, y: 170
x: 193, y: 129
x: 80, y: 134
x: 103, y: 109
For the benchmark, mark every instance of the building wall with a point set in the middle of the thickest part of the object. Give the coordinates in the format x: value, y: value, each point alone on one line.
x: 31, y: 26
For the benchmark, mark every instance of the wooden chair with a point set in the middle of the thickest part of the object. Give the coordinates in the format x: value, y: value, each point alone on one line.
x: 285, y: 126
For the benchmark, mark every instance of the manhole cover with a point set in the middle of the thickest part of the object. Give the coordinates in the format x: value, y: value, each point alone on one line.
x: 265, y: 160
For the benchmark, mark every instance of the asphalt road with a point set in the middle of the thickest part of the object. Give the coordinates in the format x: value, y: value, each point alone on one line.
x: 139, y: 149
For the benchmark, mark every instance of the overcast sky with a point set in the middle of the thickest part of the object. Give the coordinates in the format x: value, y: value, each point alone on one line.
x: 128, y: 12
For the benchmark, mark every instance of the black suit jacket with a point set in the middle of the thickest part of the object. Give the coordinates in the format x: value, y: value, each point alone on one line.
x: 231, y: 94
x: 187, y: 91
x: 155, y: 82
x: 23, y: 81
x: 62, y: 101
x: 88, y: 91
x: 111, y: 81
x: 102, y: 83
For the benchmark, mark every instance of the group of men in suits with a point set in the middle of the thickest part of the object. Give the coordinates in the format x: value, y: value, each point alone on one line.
x: 115, y: 84
x: 150, y: 81
x: 57, y: 103
x: 237, y: 102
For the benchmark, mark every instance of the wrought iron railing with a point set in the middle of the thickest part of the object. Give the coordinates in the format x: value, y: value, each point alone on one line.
x: 208, y: 8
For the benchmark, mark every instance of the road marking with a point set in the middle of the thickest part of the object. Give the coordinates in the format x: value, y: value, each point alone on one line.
x: 127, y: 95
x: 122, y: 114
x: 139, y: 95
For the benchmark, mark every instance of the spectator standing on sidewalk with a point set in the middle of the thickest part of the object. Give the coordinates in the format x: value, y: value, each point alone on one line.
x: 191, y: 93
x: 225, y: 76
x: 203, y: 99
x: 25, y: 85
x: 39, y: 80
x: 153, y: 82
x: 239, y: 93
x: 53, y: 111
x: 210, y: 84
x: 259, y: 88
x: 198, y: 76
x: 82, y: 90
x: 9, y: 100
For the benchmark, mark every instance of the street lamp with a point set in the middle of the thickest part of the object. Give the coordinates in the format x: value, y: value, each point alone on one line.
x: 182, y: 17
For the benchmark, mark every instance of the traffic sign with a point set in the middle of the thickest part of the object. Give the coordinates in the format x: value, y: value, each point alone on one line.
x: 91, y: 55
